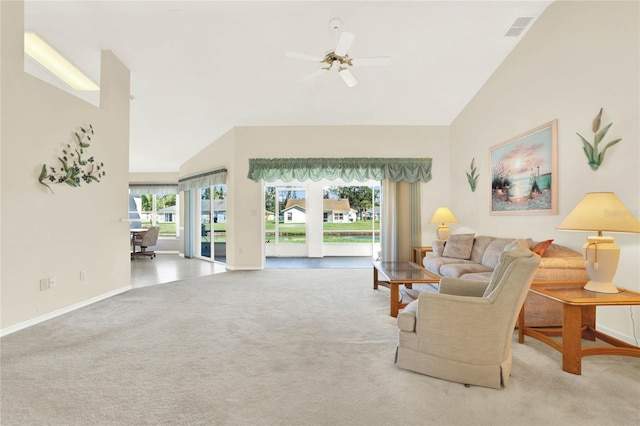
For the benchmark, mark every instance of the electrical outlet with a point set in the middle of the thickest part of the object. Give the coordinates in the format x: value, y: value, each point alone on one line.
x: 44, y: 284
x: 83, y: 276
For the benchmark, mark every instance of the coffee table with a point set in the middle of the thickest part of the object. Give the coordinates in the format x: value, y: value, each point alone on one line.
x: 578, y: 323
x: 395, y: 274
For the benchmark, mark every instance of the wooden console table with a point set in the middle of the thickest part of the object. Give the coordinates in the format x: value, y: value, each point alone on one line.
x: 579, y: 322
x: 400, y: 273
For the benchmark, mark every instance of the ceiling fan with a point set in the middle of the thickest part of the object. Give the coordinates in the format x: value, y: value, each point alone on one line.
x: 338, y: 58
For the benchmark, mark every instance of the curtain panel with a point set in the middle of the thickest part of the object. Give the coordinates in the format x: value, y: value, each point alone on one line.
x: 401, y: 220
x: 214, y: 177
x: 159, y: 189
x: 349, y: 169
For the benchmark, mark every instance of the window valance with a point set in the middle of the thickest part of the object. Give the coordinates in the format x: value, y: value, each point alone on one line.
x: 160, y: 189
x: 211, y: 178
x: 348, y: 169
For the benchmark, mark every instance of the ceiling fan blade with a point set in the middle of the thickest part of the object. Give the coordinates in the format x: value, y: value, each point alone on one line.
x: 313, y: 74
x: 344, y: 43
x: 368, y: 62
x: 303, y: 56
x: 348, y: 77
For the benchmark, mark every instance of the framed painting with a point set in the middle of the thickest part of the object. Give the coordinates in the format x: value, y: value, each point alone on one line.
x: 524, y: 173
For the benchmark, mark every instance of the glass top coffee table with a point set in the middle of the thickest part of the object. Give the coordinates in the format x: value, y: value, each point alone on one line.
x: 395, y: 274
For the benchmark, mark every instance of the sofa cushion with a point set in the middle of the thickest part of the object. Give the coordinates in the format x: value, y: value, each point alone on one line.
x: 479, y: 246
x: 556, y: 250
x: 494, y: 250
x: 434, y: 263
x: 459, y: 246
x: 437, y: 247
x: 455, y: 270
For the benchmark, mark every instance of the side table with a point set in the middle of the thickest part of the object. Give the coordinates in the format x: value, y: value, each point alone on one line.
x: 419, y: 253
x: 578, y: 323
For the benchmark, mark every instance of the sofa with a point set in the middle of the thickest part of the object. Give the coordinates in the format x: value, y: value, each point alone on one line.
x: 474, y: 257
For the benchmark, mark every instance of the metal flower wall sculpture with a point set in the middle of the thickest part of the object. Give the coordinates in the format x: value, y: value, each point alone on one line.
x: 74, y: 166
x: 595, y: 156
x: 472, y: 177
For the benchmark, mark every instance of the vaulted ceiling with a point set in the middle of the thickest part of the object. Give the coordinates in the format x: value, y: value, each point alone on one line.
x: 200, y: 68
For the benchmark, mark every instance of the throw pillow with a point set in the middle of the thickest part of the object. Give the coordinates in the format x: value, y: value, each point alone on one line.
x: 541, y: 247
x: 438, y: 247
x: 459, y: 246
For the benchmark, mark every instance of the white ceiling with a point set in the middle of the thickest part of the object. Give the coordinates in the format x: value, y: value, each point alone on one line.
x: 200, y: 68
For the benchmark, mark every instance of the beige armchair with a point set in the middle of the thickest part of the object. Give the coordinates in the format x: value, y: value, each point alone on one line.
x: 463, y: 333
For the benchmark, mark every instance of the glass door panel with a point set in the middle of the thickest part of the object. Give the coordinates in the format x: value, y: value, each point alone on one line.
x: 285, y: 221
x: 205, y: 222
x: 219, y: 223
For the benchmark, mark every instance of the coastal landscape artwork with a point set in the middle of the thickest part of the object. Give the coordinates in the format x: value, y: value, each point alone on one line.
x: 524, y: 173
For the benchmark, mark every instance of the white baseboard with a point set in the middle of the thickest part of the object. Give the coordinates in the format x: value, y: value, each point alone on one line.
x: 243, y: 268
x: 62, y: 311
x: 613, y: 333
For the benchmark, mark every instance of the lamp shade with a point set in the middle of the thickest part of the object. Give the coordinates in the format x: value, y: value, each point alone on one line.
x: 600, y: 211
x: 443, y: 215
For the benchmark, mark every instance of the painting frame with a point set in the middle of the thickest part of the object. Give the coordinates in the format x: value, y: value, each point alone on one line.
x: 524, y: 173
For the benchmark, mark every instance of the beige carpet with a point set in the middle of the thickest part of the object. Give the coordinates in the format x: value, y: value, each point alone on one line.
x: 277, y: 347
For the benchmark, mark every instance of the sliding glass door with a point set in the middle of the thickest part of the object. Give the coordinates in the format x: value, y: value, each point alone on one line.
x: 213, y: 223
x: 286, y: 221
x: 327, y: 218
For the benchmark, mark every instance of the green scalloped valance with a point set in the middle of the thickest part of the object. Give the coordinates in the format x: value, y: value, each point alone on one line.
x: 348, y: 169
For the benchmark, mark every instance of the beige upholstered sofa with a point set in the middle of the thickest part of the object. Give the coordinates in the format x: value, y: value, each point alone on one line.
x: 464, y: 332
x: 558, y: 263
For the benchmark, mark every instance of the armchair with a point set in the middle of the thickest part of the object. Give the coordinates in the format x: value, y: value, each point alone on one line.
x: 463, y: 333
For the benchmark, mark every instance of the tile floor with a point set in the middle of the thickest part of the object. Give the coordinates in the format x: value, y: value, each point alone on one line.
x: 165, y: 268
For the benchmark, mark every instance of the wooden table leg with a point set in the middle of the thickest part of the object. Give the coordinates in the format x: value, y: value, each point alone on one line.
x: 521, y: 325
x: 394, y: 299
x: 375, y: 278
x: 572, y: 339
x: 589, y: 323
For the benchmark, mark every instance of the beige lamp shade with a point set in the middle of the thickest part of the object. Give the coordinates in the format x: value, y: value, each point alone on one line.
x: 442, y: 216
x: 601, y: 212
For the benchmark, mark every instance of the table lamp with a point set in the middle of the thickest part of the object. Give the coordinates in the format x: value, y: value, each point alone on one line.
x: 443, y: 216
x: 601, y: 212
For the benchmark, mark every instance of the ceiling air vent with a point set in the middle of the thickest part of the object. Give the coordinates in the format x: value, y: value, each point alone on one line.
x: 518, y: 26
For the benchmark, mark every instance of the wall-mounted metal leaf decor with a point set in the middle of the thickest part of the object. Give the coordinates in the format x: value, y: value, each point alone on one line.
x: 594, y: 155
x: 472, y: 177
x: 75, y: 167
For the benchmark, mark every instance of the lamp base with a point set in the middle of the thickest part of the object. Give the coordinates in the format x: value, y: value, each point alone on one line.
x: 601, y: 256
x: 443, y: 232
x: 601, y: 287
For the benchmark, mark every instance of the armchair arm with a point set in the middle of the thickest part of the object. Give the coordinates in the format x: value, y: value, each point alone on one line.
x: 461, y: 287
x: 407, y: 318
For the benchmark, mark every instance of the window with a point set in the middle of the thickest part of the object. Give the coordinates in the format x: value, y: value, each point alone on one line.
x: 356, y: 213
x: 154, y: 210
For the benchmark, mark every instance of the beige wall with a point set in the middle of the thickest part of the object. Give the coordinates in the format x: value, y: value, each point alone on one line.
x: 77, y: 229
x: 244, y: 205
x: 578, y: 57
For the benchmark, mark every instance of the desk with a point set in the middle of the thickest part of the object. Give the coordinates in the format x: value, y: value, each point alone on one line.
x: 397, y: 273
x: 579, y: 322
